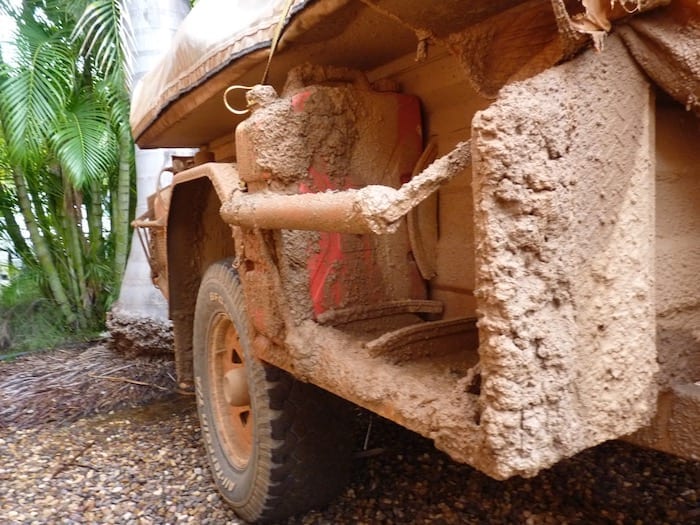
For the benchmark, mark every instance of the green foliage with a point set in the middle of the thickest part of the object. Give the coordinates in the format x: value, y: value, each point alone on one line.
x: 65, y: 146
x: 83, y: 139
x: 29, y: 321
x: 107, y: 37
x: 34, y: 92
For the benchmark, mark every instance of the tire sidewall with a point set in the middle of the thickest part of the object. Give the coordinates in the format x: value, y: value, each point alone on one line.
x: 220, y: 293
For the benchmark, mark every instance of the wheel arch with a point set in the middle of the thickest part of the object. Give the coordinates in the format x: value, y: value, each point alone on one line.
x: 197, y: 237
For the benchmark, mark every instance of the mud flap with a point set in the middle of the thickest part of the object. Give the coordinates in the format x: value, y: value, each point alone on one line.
x: 564, y: 218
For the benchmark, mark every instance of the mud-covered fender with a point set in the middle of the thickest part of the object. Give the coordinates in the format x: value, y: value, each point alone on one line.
x: 196, y: 238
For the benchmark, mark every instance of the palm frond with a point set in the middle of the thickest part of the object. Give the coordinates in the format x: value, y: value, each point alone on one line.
x: 84, y: 142
x: 117, y: 98
x: 60, y: 9
x: 108, y: 36
x: 33, y: 94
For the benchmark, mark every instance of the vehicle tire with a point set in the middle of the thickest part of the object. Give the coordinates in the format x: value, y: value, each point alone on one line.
x: 276, y: 446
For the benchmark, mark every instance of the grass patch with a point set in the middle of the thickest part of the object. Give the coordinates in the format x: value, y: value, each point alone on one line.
x: 31, y: 322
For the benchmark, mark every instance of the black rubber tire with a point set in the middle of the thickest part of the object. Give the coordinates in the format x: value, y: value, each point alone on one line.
x: 301, y: 437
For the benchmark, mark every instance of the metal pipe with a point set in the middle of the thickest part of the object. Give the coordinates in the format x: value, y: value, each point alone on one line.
x: 372, y: 209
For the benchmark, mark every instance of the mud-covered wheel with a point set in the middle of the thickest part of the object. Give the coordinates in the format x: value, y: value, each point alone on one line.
x: 276, y: 446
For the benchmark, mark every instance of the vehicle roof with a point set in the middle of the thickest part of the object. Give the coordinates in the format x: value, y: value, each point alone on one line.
x: 224, y: 42
x: 179, y: 103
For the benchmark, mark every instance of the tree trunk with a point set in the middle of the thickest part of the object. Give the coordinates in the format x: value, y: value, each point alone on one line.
x: 93, y: 205
x: 74, y: 249
x: 13, y: 229
x: 100, y: 291
x: 122, y: 204
x: 41, y: 247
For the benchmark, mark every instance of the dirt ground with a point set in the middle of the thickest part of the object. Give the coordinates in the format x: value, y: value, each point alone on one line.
x: 65, y: 384
x: 146, y: 464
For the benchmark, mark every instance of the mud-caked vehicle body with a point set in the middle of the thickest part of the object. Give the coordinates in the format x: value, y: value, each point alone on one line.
x: 480, y: 220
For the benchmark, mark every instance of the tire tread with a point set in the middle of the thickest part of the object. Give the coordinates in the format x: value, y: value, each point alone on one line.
x: 304, y: 460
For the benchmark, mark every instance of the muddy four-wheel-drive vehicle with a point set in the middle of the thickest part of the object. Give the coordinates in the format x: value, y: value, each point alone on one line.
x: 480, y: 220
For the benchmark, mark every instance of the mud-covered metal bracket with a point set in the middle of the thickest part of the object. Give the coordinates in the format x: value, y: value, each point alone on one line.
x: 151, y: 232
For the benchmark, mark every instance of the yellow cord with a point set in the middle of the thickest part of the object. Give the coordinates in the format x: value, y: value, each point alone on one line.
x: 276, y: 37
x: 273, y: 47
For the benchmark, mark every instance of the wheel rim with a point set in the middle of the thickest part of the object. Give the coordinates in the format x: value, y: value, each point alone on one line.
x: 230, y: 399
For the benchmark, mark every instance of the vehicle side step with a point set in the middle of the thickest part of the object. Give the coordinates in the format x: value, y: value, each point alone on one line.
x: 390, y: 308
x: 424, y: 339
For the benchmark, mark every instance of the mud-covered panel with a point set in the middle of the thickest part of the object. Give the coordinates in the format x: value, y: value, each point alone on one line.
x: 564, y: 212
x: 675, y: 427
x: 444, y: 222
x: 334, y: 138
x: 677, y: 245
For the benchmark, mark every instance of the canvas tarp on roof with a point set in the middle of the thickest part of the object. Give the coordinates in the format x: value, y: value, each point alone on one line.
x: 213, y: 34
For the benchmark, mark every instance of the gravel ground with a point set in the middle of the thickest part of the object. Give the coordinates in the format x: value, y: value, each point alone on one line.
x: 147, y: 466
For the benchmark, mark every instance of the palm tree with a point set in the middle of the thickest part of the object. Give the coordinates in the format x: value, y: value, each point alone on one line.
x: 67, y: 147
x: 43, y: 111
x: 108, y: 42
x: 61, y: 129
